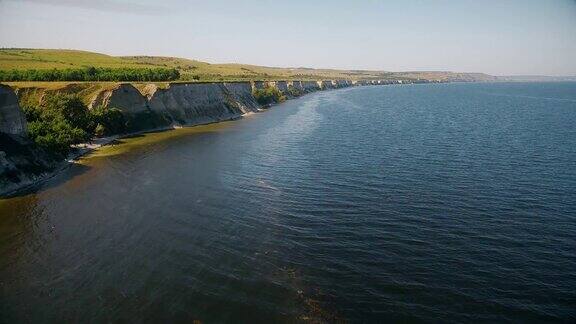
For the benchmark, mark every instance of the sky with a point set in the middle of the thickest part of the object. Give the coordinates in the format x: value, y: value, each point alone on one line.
x: 498, y: 37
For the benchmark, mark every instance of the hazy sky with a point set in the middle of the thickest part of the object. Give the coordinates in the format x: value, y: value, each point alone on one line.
x: 492, y: 36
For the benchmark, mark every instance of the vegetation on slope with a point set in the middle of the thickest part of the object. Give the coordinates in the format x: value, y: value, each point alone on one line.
x: 64, y: 120
x: 268, y: 95
x: 25, y: 59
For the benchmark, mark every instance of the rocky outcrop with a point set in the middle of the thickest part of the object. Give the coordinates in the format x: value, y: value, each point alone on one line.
x: 12, y: 120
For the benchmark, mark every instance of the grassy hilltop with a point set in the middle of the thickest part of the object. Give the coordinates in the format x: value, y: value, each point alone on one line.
x: 191, y: 70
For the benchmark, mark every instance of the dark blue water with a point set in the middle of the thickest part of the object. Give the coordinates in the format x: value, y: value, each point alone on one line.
x: 439, y: 203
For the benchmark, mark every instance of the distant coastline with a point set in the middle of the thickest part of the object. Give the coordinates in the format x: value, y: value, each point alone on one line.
x: 536, y: 78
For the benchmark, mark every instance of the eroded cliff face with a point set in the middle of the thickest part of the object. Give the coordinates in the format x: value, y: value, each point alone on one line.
x: 198, y: 103
x: 181, y: 103
x: 241, y: 92
x: 124, y: 97
x: 12, y: 120
x: 133, y: 104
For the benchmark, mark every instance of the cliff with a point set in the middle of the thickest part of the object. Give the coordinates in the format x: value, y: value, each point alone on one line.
x: 21, y: 161
x: 12, y: 120
x: 180, y: 103
x: 199, y: 103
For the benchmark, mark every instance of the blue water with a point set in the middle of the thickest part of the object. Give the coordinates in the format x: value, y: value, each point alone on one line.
x: 434, y: 202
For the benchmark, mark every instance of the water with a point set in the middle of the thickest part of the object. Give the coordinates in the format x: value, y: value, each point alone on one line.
x: 444, y: 203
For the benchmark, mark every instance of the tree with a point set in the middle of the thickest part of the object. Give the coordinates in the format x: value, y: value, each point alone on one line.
x: 268, y: 95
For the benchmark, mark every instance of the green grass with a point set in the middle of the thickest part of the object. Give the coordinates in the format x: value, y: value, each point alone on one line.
x: 21, y: 59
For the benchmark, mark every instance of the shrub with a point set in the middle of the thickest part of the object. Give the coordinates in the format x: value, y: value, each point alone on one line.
x: 71, y: 108
x: 61, y: 121
x: 56, y: 135
x: 268, y: 95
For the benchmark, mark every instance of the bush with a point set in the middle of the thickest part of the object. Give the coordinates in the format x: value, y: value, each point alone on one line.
x: 56, y: 135
x: 61, y: 121
x: 268, y: 95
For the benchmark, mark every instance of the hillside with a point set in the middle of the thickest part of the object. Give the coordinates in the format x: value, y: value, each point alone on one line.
x: 192, y: 70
